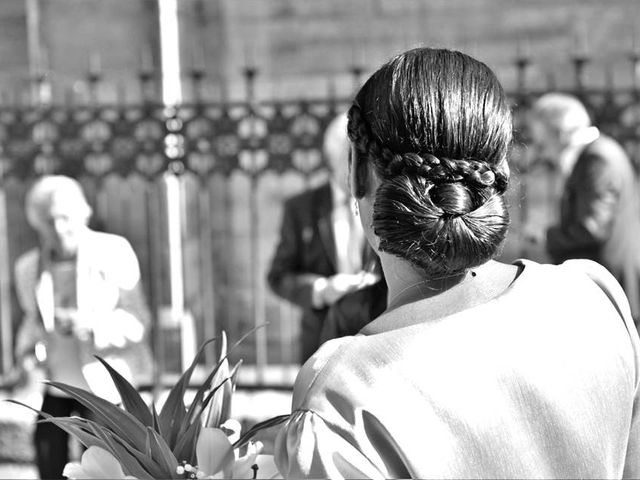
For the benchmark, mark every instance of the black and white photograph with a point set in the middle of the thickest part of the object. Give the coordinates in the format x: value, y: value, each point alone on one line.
x: 332, y: 239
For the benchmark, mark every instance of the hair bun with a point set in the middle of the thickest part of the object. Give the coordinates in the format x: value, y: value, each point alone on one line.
x: 454, y: 199
x: 438, y: 145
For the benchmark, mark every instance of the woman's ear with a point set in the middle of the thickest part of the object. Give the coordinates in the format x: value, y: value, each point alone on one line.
x: 358, y: 174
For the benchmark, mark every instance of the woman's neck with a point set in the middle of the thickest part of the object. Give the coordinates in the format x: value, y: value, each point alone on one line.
x: 408, y: 284
x: 406, y: 281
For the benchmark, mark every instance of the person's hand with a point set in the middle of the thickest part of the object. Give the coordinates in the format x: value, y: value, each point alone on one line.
x: 342, y: 283
x: 70, y: 322
x: 116, y: 329
x: 21, y: 373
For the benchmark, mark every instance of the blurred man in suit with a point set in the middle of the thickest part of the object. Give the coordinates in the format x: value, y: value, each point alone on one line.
x: 322, y: 253
x: 599, y: 216
x: 355, y: 310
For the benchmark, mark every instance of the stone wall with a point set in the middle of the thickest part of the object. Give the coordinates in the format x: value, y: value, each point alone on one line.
x: 307, y: 47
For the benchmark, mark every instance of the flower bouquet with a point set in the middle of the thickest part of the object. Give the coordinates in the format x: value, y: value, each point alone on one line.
x: 194, y: 439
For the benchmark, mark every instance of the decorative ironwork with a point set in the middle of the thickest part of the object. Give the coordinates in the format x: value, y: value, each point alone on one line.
x: 217, y: 138
x: 208, y: 141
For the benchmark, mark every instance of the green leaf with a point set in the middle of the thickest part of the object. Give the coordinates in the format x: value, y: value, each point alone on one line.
x: 173, y: 411
x: 69, y: 425
x: 147, y: 446
x: 121, y: 422
x: 102, y: 437
x: 212, y: 417
x: 248, y: 435
x: 156, y: 421
x: 229, y: 388
x: 198, y: 404
x: 185, y: 448
x: 131, y: 459
x: 131, y: 399
x: 161, y: 452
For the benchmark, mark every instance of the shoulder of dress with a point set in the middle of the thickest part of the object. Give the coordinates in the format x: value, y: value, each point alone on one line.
x: 94, y: 236
x: 98, y: 241
x: 325, y: 367
x: 604, y: 280
x: 590, y: 268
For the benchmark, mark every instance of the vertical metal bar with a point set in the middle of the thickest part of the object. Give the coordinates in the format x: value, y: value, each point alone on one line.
x: 206, y: 265
x: 254, y: 233
x: 34, y: 45
x: 157, y: 344
x: 226, y: 296
x: 176, y: 284
x: 6, y: 326
x: 257, y: 282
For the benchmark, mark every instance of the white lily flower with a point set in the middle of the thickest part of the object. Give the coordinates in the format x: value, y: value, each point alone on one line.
x: 232, y: 428
x: 96, y: 463
x: 267, y: 467
x: 214, y: 452
x: 218, y: 459
x: 242, y: 467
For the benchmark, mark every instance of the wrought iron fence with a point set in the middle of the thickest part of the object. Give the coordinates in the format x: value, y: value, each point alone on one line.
x: 236, y: 162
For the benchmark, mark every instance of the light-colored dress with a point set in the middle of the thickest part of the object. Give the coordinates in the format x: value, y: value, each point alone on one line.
x: 108, y: 297
x: 540, y: 382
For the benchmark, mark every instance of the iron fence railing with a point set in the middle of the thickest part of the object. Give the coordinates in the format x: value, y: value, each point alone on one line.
x: 235, y: 163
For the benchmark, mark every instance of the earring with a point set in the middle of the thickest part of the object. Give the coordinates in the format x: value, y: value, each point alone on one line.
x: 357, y: 209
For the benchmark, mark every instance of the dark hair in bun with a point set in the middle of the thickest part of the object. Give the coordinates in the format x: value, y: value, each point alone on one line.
x: 436, y: 126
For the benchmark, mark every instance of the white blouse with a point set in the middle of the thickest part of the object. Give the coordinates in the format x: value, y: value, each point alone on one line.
x: 540, y: 382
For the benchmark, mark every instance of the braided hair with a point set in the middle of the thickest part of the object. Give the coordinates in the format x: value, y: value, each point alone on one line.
x: 436, y: 127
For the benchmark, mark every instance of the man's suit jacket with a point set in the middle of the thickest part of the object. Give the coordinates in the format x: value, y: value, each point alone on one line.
x: 600, y: 215
x: 354, y: 311
x: 306, y: 251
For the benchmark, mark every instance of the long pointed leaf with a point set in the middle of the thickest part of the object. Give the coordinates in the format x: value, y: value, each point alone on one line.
x: 173, y: 411
x: 131, y: 399
x: 185, y: 448
x: 187, y: 419
x: 147, y: 445
x: 223, y: 346
x: 161, y: 452
x: 131, y: 464
x: 121, y: 422
x: 197, y: 406
x: 72, y: 428
x: 131, y: 459
x: 99, y: 436
x: 243, y: 337
x: 248, y: 435
x: 156, y: 421
x: 225, y: 413
x: 213, y: 414
x: 218, y: 411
